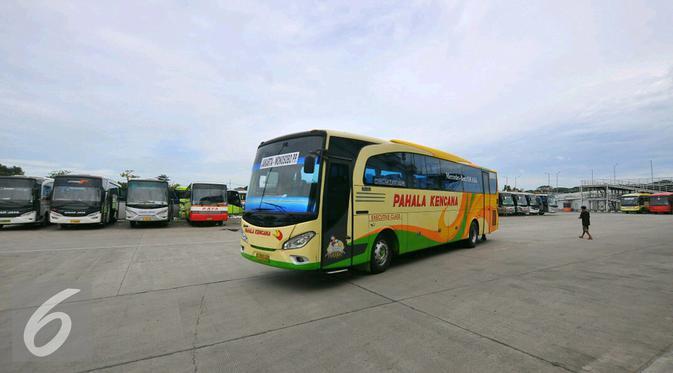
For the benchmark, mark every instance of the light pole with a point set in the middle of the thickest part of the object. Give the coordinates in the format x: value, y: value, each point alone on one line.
x: 614, y: 173
x: 558, y: 172
x: 515, y: 179
x: 548, y: 180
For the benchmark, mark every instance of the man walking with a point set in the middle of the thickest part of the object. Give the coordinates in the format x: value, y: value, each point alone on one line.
x: 586, y: 221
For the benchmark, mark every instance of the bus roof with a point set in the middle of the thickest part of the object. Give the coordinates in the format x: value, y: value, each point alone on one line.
x: 637, y: 195
x: 37, y: 178
x: 661, y: 194
x: 148, y: 179
x: 434, y: 152
x: 105, y: 179
x: 207, y: 182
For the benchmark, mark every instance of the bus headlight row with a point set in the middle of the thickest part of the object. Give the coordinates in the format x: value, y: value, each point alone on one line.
x: 244, y: 237
x: 29, y: 214
x: 297, y: 242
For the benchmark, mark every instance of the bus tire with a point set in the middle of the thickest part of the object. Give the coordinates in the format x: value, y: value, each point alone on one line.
x: 133, y: 224
x: 474, y: 234
x: 381, y: 255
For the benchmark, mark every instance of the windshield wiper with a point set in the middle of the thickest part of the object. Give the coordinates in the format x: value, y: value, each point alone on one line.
x: 280, y: 208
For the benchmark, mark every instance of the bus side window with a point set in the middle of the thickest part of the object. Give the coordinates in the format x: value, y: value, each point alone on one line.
x: 415, y: 166
x: 452, y: 176
x: 493, y: 181
x: 433, y: 172
x: 385, y: 169
x: 370, y: 173
x: 472, y: 180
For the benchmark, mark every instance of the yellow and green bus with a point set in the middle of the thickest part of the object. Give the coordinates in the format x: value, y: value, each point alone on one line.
x: 327, y: 200
x: 635, y: 202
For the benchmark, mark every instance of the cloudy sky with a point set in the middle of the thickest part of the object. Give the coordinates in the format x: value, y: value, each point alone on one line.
x: 190, y: 88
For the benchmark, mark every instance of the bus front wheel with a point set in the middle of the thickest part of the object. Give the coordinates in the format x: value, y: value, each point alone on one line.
x: 474, y: 234
x: 382, y: 252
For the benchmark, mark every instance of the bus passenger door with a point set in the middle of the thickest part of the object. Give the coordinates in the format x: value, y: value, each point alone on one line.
x: 336, y: 233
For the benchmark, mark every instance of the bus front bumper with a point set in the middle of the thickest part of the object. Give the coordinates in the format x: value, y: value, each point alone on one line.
x: 631, y: 209
x: 57, y: 218
x: 195, y: 216
x: 299, y: 259
x: 27, y: 218
x: 147, y: 215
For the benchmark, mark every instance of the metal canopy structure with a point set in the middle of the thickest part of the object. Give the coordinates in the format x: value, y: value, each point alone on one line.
x: 604, y: 194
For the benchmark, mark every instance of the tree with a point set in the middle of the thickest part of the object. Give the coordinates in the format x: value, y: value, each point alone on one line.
x: 59, y: 173
x: 10, y: 171
x: 163, y: 177
x: 128, y: 175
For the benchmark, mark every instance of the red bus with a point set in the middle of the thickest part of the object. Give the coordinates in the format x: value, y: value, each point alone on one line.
x: 661, y: 203
x: 207, y: 203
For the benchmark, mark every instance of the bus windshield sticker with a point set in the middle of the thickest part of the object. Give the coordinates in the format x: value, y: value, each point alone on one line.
x: 280, y: 160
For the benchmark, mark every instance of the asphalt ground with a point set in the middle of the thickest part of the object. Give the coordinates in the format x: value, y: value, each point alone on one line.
x: 533, y: 297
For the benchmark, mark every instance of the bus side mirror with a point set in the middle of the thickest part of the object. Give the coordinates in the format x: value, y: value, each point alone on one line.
x: 309, y: 164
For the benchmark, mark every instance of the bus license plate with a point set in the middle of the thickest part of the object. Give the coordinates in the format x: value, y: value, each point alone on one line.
x: 74, y: 221
x: 147, y: 218
x: 262, y: 257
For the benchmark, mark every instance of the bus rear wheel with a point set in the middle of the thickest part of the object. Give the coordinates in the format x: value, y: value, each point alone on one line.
x: 381, y: 254
x: 474, y: 234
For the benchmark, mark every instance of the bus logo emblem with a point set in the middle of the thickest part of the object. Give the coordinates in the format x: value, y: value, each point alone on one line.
x: 336, y: 248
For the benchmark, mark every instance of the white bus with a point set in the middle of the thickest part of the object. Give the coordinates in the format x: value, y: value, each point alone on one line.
x: 84, y: 199
x: 148, y: 200
x: 24, y: 200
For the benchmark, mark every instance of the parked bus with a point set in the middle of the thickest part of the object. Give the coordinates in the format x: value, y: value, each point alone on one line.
x: 506, y: 204
x: 635, y: 202
x: 534, y: 204
x: 84, y: 199
x: 325, y: 200
x: 545, y: 203
x: 242, y: 194
x: 552, y: 204
x: 147, y: 201
x: 520, y: 204
x: 182, y: 197
x: 207, y: 203
x: 25, y: 200
x: 661, y: 203
x: 235, y: 205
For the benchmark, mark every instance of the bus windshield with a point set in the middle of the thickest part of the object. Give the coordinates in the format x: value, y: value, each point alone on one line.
x: 77, y: 189
x: 533, y: 201
x: 16, y: 190
x: 279, y: 184
x: 507, y: 200
x: 521, y: 200
x: 659, y: 201
x: 629, y: 201
x: 147, y: 193
x: 209, y: 194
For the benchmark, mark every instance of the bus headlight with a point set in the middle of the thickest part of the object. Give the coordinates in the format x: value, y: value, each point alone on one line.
x: 244, y: 237
x: 299, y: 241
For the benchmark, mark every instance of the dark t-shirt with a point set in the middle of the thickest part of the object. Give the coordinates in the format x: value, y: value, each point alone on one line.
x: 584, y: 215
